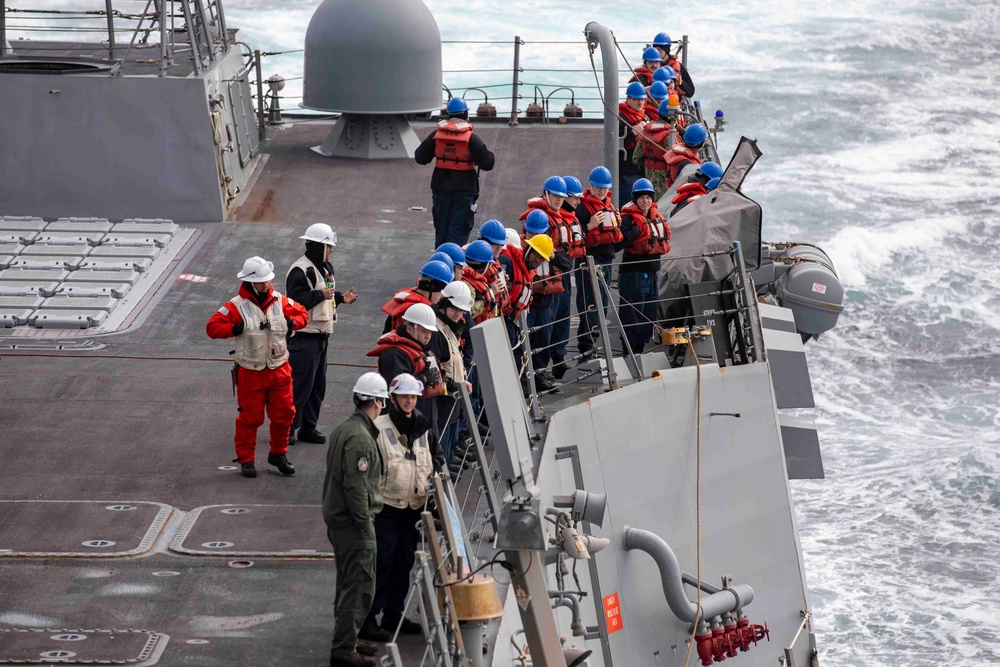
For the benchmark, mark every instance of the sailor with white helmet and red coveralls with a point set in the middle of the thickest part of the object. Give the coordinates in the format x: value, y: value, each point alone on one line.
x: 259, y: 318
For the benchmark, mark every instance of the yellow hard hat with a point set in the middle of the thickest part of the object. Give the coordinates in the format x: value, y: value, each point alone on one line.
x: 542, y: 244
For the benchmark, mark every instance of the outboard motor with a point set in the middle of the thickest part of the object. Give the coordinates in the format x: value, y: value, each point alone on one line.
x: 801, y: 277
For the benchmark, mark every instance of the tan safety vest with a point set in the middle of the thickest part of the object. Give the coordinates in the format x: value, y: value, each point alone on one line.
x: 455, y: 368
x: 323, y: 314
x: 258, y: 348
x: 404, y: 480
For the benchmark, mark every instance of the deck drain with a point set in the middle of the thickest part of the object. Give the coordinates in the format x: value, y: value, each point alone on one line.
x: 121, y: 508
x: 237, y: 510
x: 58, y: 654
x: 98, y: 544
x: 166, y: 573
x: 68, y: 638
x: 240, y: 564
x: 196, y: 641
x: 227, y: 467
x: 217, y: 545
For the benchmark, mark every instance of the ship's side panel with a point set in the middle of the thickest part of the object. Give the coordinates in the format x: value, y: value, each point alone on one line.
x: 115, y: 147
x: 640, y: 446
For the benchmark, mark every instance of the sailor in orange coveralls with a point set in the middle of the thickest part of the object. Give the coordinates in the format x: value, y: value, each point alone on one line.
x: 259, y: 318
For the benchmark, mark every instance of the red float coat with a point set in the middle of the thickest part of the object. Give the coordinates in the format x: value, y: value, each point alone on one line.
x: 267, y: 388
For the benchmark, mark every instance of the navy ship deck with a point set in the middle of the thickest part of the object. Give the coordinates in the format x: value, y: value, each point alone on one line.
x: 146, y: 416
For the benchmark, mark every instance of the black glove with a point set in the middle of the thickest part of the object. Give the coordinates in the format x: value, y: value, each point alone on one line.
x: 266, y: 324
x: 433, y: 375
x: 454, y: 386
x: 288, y: 323
x: 238, y: 328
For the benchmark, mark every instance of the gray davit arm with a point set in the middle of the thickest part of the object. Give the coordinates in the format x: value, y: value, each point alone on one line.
x: 726, y: 600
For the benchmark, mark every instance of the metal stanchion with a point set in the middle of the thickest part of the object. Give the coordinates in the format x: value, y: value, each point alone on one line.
x: 533, y: 406
x: 602, y: 319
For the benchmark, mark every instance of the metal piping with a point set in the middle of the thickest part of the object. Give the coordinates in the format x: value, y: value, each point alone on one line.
x: 726, y: 600
x: 597, y: 34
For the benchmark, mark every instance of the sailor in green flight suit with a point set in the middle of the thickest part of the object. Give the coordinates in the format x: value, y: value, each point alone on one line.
x: 351, y: 500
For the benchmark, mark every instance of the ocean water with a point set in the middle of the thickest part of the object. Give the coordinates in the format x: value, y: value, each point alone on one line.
x: 879, y: 126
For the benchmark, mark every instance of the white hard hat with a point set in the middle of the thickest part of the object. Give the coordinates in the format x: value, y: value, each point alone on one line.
x: 459, y: 295
x: 371, y: 385
x: 513, y: 238
x: 406, y: 385
x: 422, y: 315
x: 256, y: 270
x: 321, y: 233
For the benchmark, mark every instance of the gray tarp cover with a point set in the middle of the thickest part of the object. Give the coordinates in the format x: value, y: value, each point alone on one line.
x: 712, y: 223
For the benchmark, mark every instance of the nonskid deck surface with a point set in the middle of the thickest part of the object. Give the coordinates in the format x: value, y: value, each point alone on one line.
x: 152, y: 422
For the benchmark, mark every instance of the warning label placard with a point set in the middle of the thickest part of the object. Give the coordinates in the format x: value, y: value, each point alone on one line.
x: 612, y: 613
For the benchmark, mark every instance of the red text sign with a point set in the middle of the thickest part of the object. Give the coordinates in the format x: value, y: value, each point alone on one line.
x: 612, y: 613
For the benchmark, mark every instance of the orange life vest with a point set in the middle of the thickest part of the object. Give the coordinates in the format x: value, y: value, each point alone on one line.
x: 610, y: 231
x: 519, y: 291
x: 632, y: 117
x: 688, y: 191
x: 451, y: 145
x: 571, y: 234
x: 400, y: 301
x: 677, y: 155
x: 414, y: 352
x: 483, y: 293
x: 643, y: 75
x: 654, y: 144
x: 654, y: 232
x: 676, y: 64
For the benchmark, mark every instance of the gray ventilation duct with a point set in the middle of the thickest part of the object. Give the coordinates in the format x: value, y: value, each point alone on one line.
x: 726, y: 600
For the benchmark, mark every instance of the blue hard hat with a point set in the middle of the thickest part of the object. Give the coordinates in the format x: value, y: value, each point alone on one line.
x: 439, y: 271
x: 600, y: 177
x: 574, y: 188
x: 494, y: 232
x: 695, y: 135
x: 457, y: 105
x: 711, y: 169
x: 536, y: 222
x: 662, y: 39
x: 479, y: 251
x: 664, y: 108
x: 643, y: 185
x: 636, y: 91
x: 556, y: 185
x: 652, y: 55
x: 659, y: 89
x: 712, y: 184
x: 444, y: 259
x: 664, y: 74
x: 454, y: 251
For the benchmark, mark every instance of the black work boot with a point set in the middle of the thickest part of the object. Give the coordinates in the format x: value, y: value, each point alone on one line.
x: 310, y: 434
x: 366, y: 648
x: 291, y: 437
x: 247, y: 469
x: 352, y: 660
x: 559, y: 369
x: 281, y: 462
x: 371, y: 631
